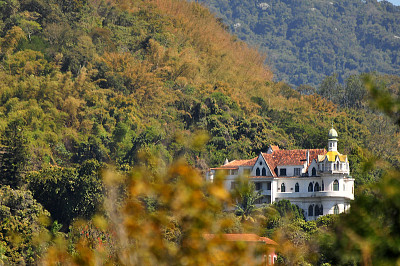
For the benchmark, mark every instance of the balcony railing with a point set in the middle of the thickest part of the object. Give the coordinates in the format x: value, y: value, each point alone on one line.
x: 344, y: 194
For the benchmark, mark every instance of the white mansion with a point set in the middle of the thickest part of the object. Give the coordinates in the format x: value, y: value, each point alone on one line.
x: 316, y: 180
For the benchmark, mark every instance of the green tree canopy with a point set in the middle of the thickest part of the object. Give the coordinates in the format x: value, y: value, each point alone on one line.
x: 22, y: 223
x: 14, y: 155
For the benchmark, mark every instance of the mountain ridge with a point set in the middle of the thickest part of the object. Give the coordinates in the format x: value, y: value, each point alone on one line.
x: 308, y: 40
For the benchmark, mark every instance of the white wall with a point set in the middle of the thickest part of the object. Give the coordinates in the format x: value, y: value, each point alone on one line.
x: 290, y: 169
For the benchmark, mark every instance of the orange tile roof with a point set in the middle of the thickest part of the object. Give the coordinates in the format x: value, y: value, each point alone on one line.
x: 274, y: 148
x: 293, y: 157
x: 224, y: 167
x: 279, y: 158
x: 268, y: 241
x: 242, y: 237
x: 236, y: 163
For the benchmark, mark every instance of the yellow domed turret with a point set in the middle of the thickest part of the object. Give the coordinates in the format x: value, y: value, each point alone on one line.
x: 333, y: 135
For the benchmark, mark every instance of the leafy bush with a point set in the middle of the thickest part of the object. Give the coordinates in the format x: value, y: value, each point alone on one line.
x: 22, y: 224
x: 69, y: 193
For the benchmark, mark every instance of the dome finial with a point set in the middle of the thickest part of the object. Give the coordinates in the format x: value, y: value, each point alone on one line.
x: 332, y: 133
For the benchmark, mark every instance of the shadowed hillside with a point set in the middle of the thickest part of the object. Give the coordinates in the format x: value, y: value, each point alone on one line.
x: 308, y: 40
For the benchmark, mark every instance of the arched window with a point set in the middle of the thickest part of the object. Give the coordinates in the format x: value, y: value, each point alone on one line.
x: 316, y: 187
x: 336, y: 185
x: 323, y: 186
x: 316, y: 210
x: 258, y: 171
x: 321, y: 210
x: 283, y: 188
x: 311, y: 210
x: 310, y: 187
x: 296, y: 187
x: 264, y: 172
x: 314, y: 171
x: 336, y: 209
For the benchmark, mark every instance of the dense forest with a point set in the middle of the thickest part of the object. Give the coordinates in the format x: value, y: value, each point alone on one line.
x: 308, y: 40
x: 158, y: 91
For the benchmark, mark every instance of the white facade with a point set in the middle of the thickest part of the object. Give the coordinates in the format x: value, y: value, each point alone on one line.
x: 316, y: 180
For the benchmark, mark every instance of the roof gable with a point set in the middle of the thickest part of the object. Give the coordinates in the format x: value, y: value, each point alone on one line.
x: 262, y: 159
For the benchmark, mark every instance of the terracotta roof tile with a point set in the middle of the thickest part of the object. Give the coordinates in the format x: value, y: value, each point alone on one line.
x: 293, y: 157
x: 279, y: 158
x: 236, y: 163
x: 225, y: 168
x: 274, y: 148
x: 269, y: 241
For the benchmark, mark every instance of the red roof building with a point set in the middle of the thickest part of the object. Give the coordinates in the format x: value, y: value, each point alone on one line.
x: 317, y: 180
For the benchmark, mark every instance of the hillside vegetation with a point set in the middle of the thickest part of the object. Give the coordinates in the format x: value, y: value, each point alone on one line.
x: 109, y: 80
x: 308, y: 40
x: 88, y: 85
x: 102, y: 80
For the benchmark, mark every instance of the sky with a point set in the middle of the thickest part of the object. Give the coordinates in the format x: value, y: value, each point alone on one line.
x: 394, y: 2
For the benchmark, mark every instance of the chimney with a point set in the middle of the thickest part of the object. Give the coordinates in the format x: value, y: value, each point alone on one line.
x: 226, y: 161
x: 308, y: 158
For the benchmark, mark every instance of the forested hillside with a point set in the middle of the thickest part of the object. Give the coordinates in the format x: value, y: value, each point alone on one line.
x: 101, y: 80
x: 88, y: 85
x: 308, y: 40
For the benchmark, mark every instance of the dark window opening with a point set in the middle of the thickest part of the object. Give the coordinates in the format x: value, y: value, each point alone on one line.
x: 283, y: 188
x: 316, y: 187
x: 258, y: 172
x: 314, y: 171
x: 297, y: 171
x: 264, y: 172
x: 336, y: 210
x: 282, y: 172
x: 310, y: 187
x: 336, y: 185
x: 318, y: 210
x: 297, y: 187
x: 311, y: 210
